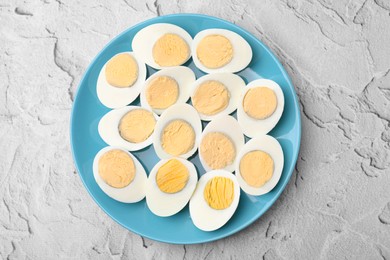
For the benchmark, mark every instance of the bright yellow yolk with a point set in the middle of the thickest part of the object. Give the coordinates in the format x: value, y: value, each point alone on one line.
x: 162, y: 92
x: 137, y: 125
x: 170, y: 50
x: 172, y: 176
x: 116, y: 168
x: 211, y: 97
x: 256, y: 168
x: 214, y: 51
x: 217, y: 150
x: 260, y: 102
x: 178, y: 138
x: 219, y: 193
x: 121, y: 71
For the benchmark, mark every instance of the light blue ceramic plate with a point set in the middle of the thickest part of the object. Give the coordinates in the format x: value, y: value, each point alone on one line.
x: 179, y: 229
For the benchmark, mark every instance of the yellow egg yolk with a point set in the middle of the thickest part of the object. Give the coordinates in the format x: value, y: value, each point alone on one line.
x: 219, y: 193
x: 170, y: 50
x: 121, y: 71
x: 260, y: 102
x: 116, y: 168
x: 162, y: 92
x: 217, y: 150
x: 172, y: 176
x: 211, y: 97
x: 256, y: 168
x: 137, y: 125
x: 214, y: 51
x: 178, y: 138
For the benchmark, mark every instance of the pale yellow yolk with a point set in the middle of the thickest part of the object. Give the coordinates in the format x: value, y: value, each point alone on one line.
x: 260, y: 102
x: 217, y: 150
x: 116, y: 168
x: 121, y: 71
x: 162, y: 92
x: 170, y: 50
x: 214, y: 51
x: 172, y: 176
x: 178, y: 138
x: 219, y: 193
x: 256, y: 168
x: 137, y: 125
x: 211, y: 97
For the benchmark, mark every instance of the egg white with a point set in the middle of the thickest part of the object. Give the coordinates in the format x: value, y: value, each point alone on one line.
x: 242, y: 51
x: 164, y: 204
x: 271, y: 146
x: 228, y: 126
x: 257, y: 127
x: 233, y: 83
x: 108, y: 129
x: 177, y: 112
x: 203, y: 216
x: 133, y: 192
x: 184, y: 77
x: 114, y: 97
x: 145, y: 39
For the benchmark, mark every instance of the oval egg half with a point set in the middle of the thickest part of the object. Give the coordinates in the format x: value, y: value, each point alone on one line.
x: 118, y: 96
x: 268, y: 103
x: 220, y: 50
x: 139, y: 131
x: 220, y: 143
x: 109, y: 163
x: 216, y: 94
x: 163, y: 45
x: 215, y: 200
x: 167, y: 194
x: 259, y: 165
x: 167, y: 87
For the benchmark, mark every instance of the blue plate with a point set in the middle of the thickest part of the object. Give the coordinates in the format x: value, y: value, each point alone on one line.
x: 179, y: 229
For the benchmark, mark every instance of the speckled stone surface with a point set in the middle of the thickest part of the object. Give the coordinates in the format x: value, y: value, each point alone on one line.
x: 337, y: 203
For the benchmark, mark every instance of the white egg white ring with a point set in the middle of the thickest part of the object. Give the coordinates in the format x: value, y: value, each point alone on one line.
x: 270, y: 145
x: 229, y: 126
x: 233, y: 83
x: 177, y: 112
x: 133, y: 192
x: 203, y: 216
x: 108, y: 129
x: 255, y: 127
x: 113, y: 97
x: 165, y: 204
x: 145, y: 39
x: 184, y: 77
x: 242, y: 51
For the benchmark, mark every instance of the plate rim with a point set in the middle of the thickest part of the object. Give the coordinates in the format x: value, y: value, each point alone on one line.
x: 270, y: 202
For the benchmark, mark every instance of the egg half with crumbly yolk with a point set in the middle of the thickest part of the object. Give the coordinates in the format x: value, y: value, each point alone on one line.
x: 119, y: 174
x: 215, y: 200
x: 121, y: 80
x: 170, y: 185
x: 163, y: 45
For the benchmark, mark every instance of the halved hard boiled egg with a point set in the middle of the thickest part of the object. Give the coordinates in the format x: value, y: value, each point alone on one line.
x: 260, y: 108
x: 216, y: 94
x: 259, y: 165
x: 119, y: 174
x: 220, y: 50
x: 130, y: 127
x: 215, y: 200
x: 163, y: 45
x: 167, y: 87
x: 121, y: 80
x: 170, y: 186
x: 177, y: 132
x: 220, y: 143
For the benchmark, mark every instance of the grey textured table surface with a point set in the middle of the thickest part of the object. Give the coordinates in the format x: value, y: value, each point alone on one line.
x: 337, y: 203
